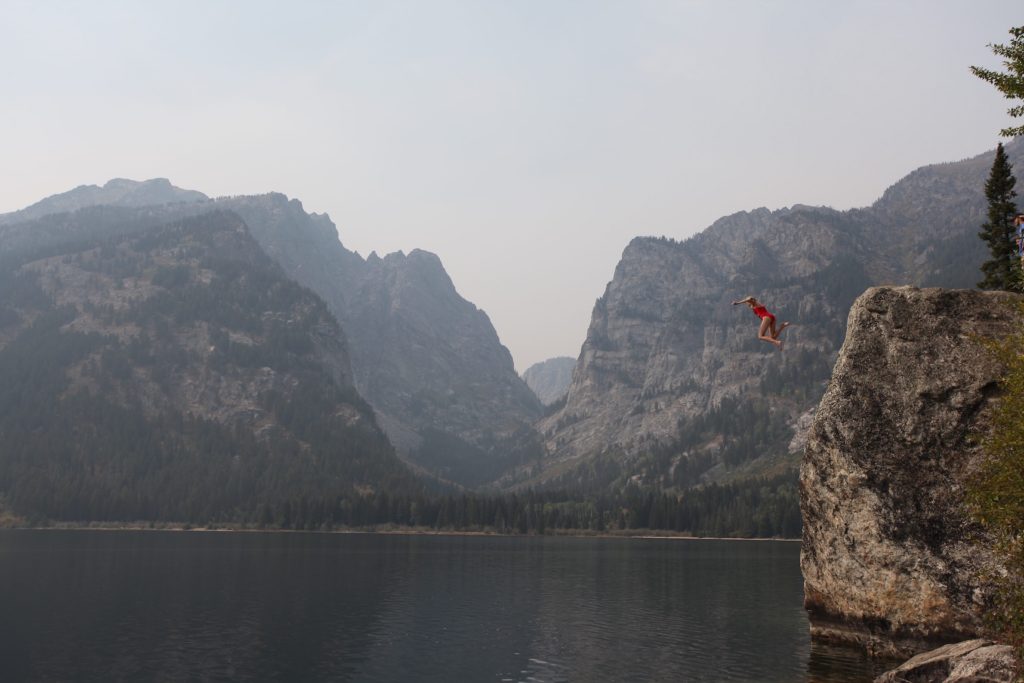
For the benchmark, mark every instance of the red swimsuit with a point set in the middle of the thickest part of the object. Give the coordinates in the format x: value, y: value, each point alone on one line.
x: 762, y: 312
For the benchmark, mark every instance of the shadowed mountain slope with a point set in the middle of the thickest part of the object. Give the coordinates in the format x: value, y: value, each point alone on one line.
x: 443, y: 386
x: 173, y: 372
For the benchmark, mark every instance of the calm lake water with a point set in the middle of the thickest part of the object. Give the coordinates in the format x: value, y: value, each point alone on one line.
x: 178, y: 606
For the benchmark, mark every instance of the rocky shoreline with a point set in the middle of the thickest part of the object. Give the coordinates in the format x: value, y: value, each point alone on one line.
x: 972, y: 661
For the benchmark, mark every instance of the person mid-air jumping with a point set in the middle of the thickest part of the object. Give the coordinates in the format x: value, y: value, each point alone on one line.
x: 767, y: 321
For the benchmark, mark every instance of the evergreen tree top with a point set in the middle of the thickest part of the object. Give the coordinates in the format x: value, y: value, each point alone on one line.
x: 1010, y: 83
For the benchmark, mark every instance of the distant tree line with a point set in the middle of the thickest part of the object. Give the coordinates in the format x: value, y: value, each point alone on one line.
x: 762, y: 508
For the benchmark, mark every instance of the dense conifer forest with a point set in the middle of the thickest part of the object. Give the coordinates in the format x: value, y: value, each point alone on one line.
x: 752, y: 509
x: 174, y: 374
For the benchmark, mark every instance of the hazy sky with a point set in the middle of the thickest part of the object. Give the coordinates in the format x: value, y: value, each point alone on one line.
x: 525, y: 142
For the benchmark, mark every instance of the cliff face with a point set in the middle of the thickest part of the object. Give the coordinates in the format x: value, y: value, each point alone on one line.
x: 550, y: 379
x: 429, y: 361
x: 890, y: 558
x: 430, y: 358
x: 665, y: 348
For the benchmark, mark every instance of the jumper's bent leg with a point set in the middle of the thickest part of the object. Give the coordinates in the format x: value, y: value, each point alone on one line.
x: 763, y: 332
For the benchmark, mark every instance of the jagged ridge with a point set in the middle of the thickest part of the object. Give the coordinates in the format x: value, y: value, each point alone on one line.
x: 665, y: 348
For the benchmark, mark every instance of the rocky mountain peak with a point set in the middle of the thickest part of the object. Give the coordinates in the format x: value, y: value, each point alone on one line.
x: 115, y: 192
x: 665, y: 349
x: 425, y: 358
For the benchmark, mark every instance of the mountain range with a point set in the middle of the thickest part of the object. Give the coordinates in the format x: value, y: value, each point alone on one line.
x: 672, y: 388
x: 224, y: 331
x: 442, y: 386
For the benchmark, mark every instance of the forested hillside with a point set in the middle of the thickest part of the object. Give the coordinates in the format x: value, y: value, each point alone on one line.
x: 442, y: 385
x: 171, y: 371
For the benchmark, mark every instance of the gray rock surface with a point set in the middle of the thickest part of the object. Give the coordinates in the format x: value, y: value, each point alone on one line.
x: 972, y: 661
x: 891, y: 560
x: 423, y: 356
x: 550, y: 379
x: 84, y: 283
x: 664, y: 347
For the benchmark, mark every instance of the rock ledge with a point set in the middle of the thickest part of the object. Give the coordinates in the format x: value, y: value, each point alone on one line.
x: 974, y: 661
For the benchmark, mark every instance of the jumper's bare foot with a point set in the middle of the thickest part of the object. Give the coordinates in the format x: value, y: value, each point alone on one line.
x: 782, y: 327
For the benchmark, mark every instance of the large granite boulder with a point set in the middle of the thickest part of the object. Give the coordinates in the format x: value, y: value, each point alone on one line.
x: 891, y: 559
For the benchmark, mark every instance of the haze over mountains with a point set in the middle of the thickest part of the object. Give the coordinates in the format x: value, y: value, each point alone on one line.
x: 550, y: 379
x: 444, y: 388
x: 673, y: 388
x: 173, y: 372
x: 116, y: 192
x: 244, y: 322
x: 441, y: 383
